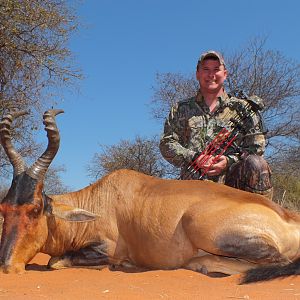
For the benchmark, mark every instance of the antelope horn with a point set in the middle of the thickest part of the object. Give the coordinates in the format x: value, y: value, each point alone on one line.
x: 5, y: 136
x: 40, y: 167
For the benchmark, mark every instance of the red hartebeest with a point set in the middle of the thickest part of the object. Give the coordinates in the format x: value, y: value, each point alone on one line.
x: 132, y: 220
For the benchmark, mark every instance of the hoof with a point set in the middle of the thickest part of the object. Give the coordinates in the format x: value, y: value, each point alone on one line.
x: 14, y: 269
x: 202, y: 269
x: 58, y: 263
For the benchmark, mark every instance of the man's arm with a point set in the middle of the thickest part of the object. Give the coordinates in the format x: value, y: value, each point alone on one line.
x: 172, y: 140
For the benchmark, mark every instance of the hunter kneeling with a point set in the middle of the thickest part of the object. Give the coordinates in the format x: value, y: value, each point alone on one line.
x: 217, y: 136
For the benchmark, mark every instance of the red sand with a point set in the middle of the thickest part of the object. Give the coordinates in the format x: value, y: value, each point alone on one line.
x: 39, y: 283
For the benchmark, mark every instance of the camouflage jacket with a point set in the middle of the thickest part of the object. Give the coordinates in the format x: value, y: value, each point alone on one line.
x: 191, y: 126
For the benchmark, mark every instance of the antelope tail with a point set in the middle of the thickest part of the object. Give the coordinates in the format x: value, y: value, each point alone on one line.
x: 271, y: 272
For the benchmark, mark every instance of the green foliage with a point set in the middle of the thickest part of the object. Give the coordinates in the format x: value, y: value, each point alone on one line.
x: 286, y: 190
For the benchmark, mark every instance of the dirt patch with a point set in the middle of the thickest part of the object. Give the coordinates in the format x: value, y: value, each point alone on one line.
x: 40, y: 283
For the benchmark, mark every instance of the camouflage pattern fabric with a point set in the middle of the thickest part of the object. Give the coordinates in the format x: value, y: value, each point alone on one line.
x: 191, y: 126
x: 251, y: 174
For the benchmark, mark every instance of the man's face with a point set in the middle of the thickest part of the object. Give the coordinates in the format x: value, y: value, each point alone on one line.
x: 211, y: 75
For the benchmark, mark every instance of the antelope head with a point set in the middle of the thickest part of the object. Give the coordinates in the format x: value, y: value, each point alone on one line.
x: 23, y: 208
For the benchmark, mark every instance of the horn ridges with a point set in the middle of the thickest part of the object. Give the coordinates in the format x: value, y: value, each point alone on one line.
x: 5, y: 137
x: 40, y: 167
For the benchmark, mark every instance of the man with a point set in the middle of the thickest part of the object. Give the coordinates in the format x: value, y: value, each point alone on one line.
x: 196, y: 123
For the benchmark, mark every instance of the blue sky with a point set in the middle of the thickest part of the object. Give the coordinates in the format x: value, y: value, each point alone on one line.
x: 123, y: 44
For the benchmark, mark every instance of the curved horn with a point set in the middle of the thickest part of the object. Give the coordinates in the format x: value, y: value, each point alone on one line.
x: 14, y: 157
x: 40, y: 167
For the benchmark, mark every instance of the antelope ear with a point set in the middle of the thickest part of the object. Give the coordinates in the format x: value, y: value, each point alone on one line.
x: 71, y: 214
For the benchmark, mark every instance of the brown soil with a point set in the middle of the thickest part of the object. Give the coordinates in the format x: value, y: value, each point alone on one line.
x: 40, y: 283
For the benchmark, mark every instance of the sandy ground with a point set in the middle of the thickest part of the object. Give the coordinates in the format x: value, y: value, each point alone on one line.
x: 39, y: 283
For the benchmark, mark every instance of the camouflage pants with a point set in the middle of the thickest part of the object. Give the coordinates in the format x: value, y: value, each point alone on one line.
x: 251, y: 174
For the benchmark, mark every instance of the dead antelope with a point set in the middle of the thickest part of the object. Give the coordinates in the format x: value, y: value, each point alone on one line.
x: 128, y: 219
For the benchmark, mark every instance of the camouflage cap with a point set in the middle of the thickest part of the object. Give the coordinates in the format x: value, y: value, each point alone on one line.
x: 212, y: 53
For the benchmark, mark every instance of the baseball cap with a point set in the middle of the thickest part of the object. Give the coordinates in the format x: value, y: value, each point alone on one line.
x: 212, y: 53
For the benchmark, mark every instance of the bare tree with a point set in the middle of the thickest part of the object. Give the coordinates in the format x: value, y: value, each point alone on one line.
x: 141, y: 155
x: 35, y: 63
x: 276, y: 79
x: 34, y: 57
x: 53, y: 183
x: 288, y: 163
x: 170, y: 88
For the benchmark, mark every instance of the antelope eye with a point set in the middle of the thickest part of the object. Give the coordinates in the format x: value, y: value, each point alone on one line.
x: 34, y: 213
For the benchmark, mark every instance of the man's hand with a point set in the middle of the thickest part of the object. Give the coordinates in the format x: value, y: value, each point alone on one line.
x: 217, y: 167
x: 203, y: 161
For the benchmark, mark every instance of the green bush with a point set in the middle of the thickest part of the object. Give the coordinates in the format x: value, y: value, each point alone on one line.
x: 286, y: 190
